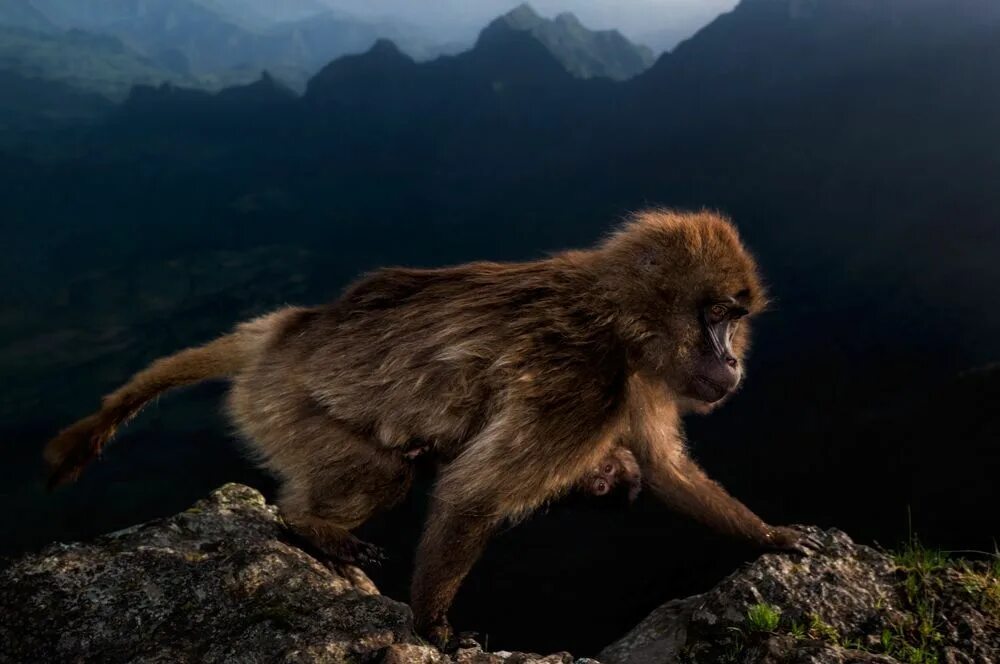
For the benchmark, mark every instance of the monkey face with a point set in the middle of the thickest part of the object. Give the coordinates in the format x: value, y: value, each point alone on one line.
x: 600, y: 485
x: 685, y: 285
x: 718, y: 369
x: 618, y: 468
x: 699, y: 354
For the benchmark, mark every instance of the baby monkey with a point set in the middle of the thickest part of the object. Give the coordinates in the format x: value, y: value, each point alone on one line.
x: 618, y: 467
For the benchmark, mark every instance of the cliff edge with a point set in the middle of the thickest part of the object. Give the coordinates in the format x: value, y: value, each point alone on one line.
x: 219, y: 583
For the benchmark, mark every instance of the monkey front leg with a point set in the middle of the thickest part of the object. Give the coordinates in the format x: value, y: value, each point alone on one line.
x: 453, y: 540
x: 682, y: 484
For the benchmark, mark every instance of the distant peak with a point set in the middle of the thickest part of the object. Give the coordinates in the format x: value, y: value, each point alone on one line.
x: 522, y: 17
x: 383, y: 46
x: 268, y: 82
x: 568, y: 19
x: 582, y: 52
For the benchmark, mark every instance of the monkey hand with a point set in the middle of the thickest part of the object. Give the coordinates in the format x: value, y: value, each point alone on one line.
x: 794, y: 539
x: 358, y: 552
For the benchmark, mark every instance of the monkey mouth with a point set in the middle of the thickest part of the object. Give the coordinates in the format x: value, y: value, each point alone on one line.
x: 708, y: 390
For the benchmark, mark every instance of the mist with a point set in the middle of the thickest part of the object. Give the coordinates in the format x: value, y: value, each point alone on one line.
x: 659, y: 24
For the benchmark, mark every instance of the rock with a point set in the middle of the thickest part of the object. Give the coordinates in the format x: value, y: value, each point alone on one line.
x: 846, y: 603
x: 220, y: 583
x: 216, y: 583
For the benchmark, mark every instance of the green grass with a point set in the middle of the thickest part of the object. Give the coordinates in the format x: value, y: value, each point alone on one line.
x: 917, y: 637
x: 915, y: 557
x: 982, y: 584
x: 924, y: 576
x: 820, y: 629
x: 763, y: 617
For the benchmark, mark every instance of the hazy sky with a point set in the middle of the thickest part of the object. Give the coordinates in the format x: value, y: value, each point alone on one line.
x: 638, y: 19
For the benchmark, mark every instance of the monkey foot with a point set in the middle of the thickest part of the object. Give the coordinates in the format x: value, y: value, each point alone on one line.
x: 469, y: 640
x: 334, y: 555
x: 359, y: 552
x: 440, y: 635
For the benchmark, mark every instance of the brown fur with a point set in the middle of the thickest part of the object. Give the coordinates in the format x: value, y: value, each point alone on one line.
x: 523, y: 377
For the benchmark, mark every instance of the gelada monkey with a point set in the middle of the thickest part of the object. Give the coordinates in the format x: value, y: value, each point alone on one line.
x: 522, y: 376
x: 618, y: 468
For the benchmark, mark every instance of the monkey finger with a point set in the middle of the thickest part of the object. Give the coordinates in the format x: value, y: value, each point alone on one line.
x: 812, y: 543
x: 806, y: 545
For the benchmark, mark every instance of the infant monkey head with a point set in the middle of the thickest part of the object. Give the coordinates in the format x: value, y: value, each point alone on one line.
x: 618, y: 468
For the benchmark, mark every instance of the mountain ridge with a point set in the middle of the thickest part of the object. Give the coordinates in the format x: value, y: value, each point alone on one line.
x: 583, y: 52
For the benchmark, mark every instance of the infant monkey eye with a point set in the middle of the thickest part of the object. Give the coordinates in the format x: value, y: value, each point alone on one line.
x: 608, y: 468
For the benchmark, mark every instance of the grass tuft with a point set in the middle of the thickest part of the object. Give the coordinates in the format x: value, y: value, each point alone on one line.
x: 763, y: 617
x: 917, y: 639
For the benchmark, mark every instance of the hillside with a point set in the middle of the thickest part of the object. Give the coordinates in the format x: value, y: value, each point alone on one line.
x: 32, y: 103
x: 82, y: 61
x: 215, y: 43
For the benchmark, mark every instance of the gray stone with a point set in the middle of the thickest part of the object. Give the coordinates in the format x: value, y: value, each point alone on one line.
x: 220, y: 583
x: 216, y: 583
x: 842, y: 598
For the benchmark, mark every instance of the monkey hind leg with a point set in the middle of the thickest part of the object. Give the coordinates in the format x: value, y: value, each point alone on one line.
x: 349, y: 479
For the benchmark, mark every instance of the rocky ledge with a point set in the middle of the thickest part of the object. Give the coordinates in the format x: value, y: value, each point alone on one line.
x: 218, y: 583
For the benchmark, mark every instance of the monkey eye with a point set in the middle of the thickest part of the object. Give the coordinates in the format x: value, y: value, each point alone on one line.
x: 717, y: 313
x: 608, y: 468
x: 601, y: 486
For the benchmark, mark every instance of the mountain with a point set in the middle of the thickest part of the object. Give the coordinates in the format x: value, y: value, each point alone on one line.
x: 33, y: 103
x: 234, y: 111
x: 777, y: 42
x: 381, y: 77
x: 584, y: 53
x: 215, y: 43
x: 80, y: 60
x: 504, y: 67
x: 181, y: 35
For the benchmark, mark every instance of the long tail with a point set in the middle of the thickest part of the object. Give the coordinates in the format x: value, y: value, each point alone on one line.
x: 67, y: 454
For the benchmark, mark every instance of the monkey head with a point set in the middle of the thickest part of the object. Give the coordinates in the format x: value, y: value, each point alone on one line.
x: 619, y: 467
x: 685, y: 288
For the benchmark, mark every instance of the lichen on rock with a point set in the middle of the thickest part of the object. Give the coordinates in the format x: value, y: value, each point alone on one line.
x: 215, y: 583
